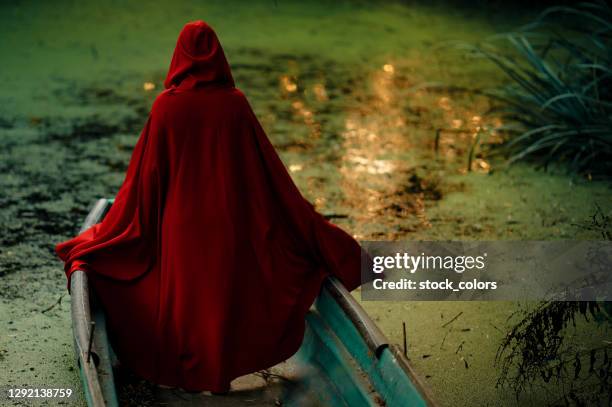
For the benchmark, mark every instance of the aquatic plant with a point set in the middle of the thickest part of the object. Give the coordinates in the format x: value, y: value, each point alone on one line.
x: 536, y: 353
x: 557, y: 106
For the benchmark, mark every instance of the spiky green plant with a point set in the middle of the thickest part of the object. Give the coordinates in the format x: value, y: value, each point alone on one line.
x: 539, y: 355
x: 557, y: 106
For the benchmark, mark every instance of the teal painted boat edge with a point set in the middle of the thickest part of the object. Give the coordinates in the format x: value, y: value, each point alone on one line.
x: 313, y: 375
x: 322, y: 347
x: 389, y: 374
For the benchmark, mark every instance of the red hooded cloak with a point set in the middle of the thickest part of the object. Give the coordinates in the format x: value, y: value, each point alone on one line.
x: 209, y: 258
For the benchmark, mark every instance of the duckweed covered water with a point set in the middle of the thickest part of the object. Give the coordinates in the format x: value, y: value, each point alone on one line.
x: 335, y: 86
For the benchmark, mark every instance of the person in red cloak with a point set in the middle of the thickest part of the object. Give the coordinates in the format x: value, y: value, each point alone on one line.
x: 209, y: 258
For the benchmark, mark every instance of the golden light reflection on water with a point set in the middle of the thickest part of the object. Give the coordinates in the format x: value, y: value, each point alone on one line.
x: 296, y: 167
x: 288, y: 84
x: 482, y: 164
x: 386, y: 161
x: 319, y: 202
x: 387, y: 183
x: 373, y: 170
x: 320, y: 92
x: 382, y: 83
x: 462, y: 130
x: 289, y: 89
x: 300, y: 110
x: 444, y: 103
x: 371, y: 166
x: 388, y: 68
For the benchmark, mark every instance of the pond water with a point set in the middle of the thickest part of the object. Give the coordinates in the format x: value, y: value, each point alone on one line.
x: 338, y: 88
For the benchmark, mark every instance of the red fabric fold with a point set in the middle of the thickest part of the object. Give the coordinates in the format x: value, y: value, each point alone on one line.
x: 209, y: 258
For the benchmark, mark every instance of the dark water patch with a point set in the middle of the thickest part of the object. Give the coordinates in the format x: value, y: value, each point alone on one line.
x: 114, y: 153
x: 406, y: 206
x: 34, y: 222
x: 294, y: 146
x: 133, y: 391
x: 426, y: 184
x: 91, y: 127
x: 127, y: 92
x: 21, y: 256
x: 6, y: 123
x: 23, y: 133
x: 103, y: 95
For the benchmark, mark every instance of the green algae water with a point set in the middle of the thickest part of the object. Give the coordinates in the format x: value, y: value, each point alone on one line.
x: 336, y: 86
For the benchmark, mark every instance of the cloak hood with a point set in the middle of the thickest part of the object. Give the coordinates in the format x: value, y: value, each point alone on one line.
x: 198, y: 56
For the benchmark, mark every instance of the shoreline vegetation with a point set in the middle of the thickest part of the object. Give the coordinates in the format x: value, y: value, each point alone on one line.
x: 556, y: 105
x: 336, y: 87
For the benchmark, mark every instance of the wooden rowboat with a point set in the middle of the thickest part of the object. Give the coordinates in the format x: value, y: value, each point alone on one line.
x: 344, y: 360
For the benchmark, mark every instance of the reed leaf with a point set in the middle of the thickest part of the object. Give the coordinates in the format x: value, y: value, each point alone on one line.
x: 557, y: 106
